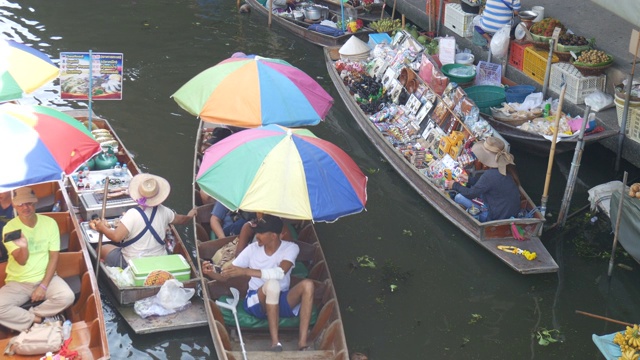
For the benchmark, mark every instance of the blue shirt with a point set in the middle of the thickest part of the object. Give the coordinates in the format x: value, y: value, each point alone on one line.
x: 499, y: 192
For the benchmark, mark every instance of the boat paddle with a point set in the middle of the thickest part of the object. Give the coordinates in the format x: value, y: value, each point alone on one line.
x: 104, y: 210
x: 603, y: 318
x: 617, y: 228
x: 552, y: 152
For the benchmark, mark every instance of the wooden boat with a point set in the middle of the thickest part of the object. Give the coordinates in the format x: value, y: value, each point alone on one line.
x: 301, y: 28
x: 366, y: 16
x: 327, y: 333
x: 489, y: 234
x: 88, y: 333
x: 537, y: 144
x: 125, y: 297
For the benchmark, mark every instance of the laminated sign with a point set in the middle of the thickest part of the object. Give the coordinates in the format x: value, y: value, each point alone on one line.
x: 105, y: 80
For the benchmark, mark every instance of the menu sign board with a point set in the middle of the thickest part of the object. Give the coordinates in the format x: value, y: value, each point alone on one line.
x: 106, y: 70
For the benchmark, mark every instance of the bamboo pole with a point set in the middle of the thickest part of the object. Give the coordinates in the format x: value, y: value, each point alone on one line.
x: 403, y: 22
x: 617, y: 228
x: 573, y: 173
x: 603, y: 318
x: 625, y: 110
x: 384, y: 4
x: 271, y: 12
x: 547, y: 71
x: 104, y: 210
x: 393, y: 11
x: 552, y: 152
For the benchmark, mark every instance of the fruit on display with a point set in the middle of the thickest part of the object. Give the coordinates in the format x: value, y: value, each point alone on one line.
x: 386, y: 25
x: 592, y: 57
x: 572, y: 40
x: 634, y: 191
x: 629, y: 342
x: 546, y: 26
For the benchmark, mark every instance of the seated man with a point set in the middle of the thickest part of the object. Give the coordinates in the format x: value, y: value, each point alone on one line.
x: 268, y: 262
x: 31, y: 270
x: 496, y: 14
x: 497, y: 189
x: 225, y: 222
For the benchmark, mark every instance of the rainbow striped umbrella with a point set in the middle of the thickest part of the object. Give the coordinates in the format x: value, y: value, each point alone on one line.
x: 285, y: 172
x: 39, y: 144
x: 23, y: 70
x: 250, y: 91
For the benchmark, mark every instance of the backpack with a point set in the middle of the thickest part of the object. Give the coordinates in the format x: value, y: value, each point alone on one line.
x: 37, y: 340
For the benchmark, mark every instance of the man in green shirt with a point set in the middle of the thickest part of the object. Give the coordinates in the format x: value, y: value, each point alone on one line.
x: 31, y: 269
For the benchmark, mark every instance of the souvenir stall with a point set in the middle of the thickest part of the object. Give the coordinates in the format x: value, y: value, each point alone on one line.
x: 427, y: 118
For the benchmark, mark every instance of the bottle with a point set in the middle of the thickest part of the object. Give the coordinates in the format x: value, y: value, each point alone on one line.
x: 86, y: 171
x: 125, y: 175
x: 66, y: 329
x: 117, y: 169
x: 48, y: 355
x: 56, y: 207
x: 170, y: 241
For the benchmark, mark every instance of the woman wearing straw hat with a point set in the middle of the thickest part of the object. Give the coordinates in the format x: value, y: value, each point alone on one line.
x: 496, y: 189
x: 141, y: 230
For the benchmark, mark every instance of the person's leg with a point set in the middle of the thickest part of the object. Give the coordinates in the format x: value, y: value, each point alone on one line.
x: 12, y: 295
x: 460, y: 199
x: 270, y: 296
x: 484, y: 34
x: 112, y: 256
x: 59, y: 296
x: 302, y: 294
x: 245, y: 238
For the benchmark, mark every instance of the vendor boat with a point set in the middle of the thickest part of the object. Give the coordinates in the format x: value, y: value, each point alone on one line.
x: 301, y: 28
x: 88, y: 334
x: 537, y: 144
x: 85, y: 203
x: 326, y: 337
x: 495, y: 236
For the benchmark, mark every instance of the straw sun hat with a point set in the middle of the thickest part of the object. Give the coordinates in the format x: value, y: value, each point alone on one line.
x: 492, y: 153
x: 149, y: 190
x: 24, y: 195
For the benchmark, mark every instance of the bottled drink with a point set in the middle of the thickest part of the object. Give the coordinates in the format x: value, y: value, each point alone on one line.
x: 86, y: 171
x: 117, y: 169
x: 170, y: 241
x: 125, y: 170
x: 66, y: 329
x: 56, y: 207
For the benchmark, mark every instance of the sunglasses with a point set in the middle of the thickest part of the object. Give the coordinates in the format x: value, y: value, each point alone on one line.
x: 25, y: 204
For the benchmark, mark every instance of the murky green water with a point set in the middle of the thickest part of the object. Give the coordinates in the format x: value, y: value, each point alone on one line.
x: 453, y: 299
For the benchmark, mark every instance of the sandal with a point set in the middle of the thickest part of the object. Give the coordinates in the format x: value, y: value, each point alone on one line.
x: 305, y: 348
x: 277, y: 347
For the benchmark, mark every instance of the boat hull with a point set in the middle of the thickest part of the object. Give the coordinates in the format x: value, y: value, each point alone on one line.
x: 488, y: 234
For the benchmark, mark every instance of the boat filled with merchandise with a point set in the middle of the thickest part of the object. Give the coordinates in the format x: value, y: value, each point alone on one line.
x: 425, y: 127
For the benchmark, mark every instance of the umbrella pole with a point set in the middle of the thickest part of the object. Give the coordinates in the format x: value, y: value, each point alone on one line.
x: 625, y: 110
x: 573, y: 173
x: 552, y: 153
x: 104, y: 210
x: 617, y: 228
x: 89, y: 92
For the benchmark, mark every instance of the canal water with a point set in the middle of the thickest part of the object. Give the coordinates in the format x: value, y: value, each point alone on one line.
x: 428, y: 292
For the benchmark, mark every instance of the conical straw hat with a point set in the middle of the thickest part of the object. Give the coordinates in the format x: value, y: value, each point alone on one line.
x: 354, y: 46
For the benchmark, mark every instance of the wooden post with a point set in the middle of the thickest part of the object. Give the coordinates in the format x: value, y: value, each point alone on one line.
x: 393, y: 11
x: 617, y: 227
x: 271, y: 11
x: 625, y: 110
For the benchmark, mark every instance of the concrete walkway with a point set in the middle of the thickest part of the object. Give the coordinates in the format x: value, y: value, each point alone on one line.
x: 584, y: 18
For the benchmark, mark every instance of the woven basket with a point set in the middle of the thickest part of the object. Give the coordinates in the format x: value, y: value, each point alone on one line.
x: 563, y: 56
x: 591, y: 70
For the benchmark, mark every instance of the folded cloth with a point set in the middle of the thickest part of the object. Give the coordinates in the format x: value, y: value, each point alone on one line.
x: 327, y: 30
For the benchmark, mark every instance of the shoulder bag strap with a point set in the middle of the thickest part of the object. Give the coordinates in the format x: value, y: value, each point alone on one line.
x: 148, y: 227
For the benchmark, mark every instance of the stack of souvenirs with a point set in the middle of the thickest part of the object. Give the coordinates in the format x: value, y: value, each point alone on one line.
x: 428, y: 119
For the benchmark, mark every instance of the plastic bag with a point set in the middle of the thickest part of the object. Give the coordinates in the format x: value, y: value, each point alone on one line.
x: 532, y: 101
x: 122, y: 278
x: 172, y: 295
x: 500, y: 42
x: 171, y: 298
x: 598, y: 100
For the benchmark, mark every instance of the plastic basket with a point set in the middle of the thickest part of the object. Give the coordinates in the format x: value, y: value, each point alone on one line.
x: 488, y: 73
x: 633, y: 121
x: 535, y: 63
x: 516, y: 54
x: 518, y: 93
x: 458, y: 21
x: 578, y: 85
x: 486, y: 96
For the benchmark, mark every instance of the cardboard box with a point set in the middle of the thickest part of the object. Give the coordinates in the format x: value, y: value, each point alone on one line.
x: 175, y: 264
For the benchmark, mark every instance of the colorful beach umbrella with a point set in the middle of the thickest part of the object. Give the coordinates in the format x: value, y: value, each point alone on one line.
x: 23, y: 70
x: 250, y: 91
x: 39, y: 144
x: 286, y: 172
